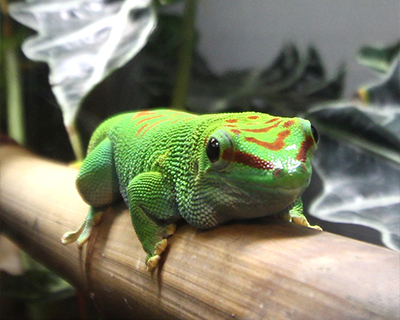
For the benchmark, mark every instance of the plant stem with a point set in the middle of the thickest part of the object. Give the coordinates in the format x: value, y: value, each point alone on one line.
x: 15, y: 107
x: 16, y: 123
x: 182, y: 80
x: 75, y: 142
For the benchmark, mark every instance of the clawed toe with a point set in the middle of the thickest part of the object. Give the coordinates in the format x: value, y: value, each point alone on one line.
x: 152, y: 262
x: 160, y: 246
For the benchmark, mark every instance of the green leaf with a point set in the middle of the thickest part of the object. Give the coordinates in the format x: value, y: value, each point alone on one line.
x: 378, y: 58
x: 386, y: 90
x: 35, y: 285
x: 287, y: 87
x: 358, y: 159
x: 166, y: 2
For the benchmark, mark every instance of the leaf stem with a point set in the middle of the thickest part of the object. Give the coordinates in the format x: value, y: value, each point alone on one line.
x: 185, y: 55
x: 15, y: 105
x: 75, y: 140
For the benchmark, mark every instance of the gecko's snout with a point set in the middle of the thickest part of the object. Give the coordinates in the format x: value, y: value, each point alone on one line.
x: 280, y: 172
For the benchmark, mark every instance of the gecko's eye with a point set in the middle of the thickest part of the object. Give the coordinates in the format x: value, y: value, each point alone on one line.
x: 213, y: 150
x: 219, y: 149
x: 314, y: 133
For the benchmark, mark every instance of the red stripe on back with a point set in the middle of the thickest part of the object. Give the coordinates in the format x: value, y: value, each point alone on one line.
x: 152, y: 125
x: 149, y: 118
x: 142, y: 114
x: 141, y: 128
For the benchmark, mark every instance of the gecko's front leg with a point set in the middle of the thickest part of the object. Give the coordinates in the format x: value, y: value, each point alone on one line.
x: 153, y: 211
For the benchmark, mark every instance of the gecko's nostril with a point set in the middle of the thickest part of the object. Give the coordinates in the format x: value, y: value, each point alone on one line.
x: 278, y: 172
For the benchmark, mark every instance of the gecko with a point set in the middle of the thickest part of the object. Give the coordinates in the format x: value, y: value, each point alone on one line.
x: 207, y: 169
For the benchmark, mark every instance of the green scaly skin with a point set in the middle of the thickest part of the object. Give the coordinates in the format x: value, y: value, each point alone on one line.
x: 206, y: 169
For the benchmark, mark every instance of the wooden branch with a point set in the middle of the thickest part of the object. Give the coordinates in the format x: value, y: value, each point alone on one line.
x: 273, y: 270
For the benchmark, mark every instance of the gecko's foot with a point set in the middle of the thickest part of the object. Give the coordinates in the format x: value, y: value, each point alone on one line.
x: 71, y: 236
x: 302, y: 220
x: 296, y: 216
x: 82, y: 235
x: 79, y: 236
x: 159, y: 248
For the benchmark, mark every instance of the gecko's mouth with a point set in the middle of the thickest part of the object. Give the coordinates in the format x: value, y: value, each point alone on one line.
x: 284, y: 181
x: 274, y: 189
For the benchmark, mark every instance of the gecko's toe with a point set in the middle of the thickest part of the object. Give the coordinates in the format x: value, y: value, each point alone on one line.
x: 301, y: 220
x: 170, y: 230
x: 160, y: 246
x: 69, y: 237
x: 152, y: 262
x: 316, y: 227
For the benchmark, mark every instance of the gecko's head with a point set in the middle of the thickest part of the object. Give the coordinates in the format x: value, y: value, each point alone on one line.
x: 260, y: 154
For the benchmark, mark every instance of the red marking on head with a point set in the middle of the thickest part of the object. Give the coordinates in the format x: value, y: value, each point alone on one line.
x: 288, y: 123
x: 247, y: 159
x: 278, y: 144
x: 231, y: 125
x: 266, y: 129
x: 253, y: 117
x: 232, y: 120
x: 305, y: 146
x: 272, y: 120
x: 235, y: 131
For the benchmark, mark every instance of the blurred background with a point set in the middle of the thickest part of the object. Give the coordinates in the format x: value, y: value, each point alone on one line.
x: 282, y: 57
x: 237, y: 34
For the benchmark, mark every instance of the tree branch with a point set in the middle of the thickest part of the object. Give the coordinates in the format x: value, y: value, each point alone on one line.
x: 273, y: 270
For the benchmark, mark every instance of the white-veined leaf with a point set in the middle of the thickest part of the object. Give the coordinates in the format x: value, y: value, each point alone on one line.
x: 83, y: 41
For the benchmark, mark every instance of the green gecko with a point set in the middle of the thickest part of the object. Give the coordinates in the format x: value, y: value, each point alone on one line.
x: 206, y: 169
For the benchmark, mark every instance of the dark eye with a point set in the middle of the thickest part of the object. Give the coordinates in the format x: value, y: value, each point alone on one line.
x: 314, y: 133
x: 213, y: 150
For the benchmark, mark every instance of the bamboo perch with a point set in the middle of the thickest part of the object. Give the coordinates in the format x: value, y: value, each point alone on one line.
x: 273, y: 270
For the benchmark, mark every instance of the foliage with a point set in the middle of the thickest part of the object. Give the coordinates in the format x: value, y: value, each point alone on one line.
x: 287, y: 87
x: 359, y: 154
